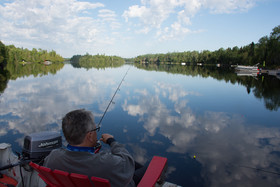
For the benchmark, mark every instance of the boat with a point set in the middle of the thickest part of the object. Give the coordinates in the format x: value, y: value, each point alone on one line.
x: 247, y: 68
x: 17, y: 170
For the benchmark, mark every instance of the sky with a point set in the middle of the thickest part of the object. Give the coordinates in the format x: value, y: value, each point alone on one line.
x: 129, y: 28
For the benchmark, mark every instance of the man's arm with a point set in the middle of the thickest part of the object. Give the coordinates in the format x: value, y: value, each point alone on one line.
x: 125, y: 167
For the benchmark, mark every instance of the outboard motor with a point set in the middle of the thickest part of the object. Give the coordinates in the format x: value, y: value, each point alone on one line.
x: 38, y: 145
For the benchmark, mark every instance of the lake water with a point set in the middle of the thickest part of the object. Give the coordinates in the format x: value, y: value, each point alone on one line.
x: 229, y: 123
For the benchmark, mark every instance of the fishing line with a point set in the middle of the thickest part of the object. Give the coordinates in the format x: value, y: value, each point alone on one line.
x: 111, y: 101
x: 195, y: 156
x: 259, y: 169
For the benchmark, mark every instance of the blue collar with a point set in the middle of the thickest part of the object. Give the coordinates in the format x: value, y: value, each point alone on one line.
x: 80, y: 149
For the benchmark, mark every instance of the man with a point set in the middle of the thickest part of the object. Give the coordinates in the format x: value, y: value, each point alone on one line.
x: 79, y: 130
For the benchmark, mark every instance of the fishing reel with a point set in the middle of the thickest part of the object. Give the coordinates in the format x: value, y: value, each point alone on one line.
x: 97, y: 147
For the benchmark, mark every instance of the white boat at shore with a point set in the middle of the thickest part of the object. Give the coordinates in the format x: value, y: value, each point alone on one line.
x: 254, y: 68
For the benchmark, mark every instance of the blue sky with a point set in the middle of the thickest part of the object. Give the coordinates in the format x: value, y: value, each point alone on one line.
x: 129, y: 28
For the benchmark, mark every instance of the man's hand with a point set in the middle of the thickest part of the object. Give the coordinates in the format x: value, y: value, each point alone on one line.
x: 105, y: 137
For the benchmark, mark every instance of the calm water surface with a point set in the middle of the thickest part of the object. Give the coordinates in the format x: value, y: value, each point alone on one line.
x: 231, y: 132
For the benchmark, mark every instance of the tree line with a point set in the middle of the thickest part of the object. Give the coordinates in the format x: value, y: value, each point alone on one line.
x: 266, y: 52
x: 13, y: 55
x: 96, y: 61
x: 19, y: 62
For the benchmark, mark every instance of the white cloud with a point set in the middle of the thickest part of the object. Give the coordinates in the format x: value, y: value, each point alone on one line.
x: 142, y: 92
x: 175, y: 92
x: 135, y: 12
x: 175, y: 32
x: 182, y: 18
x: 3, y: 131
x: 133, y: 110
x: 157, y: 14
x: 228, y: 6
x: 153, y: 14
x: 139, y: 154
x: 81, y: 25
x: 81, y: 6
x: 158, y: 114
x: 109, y: 16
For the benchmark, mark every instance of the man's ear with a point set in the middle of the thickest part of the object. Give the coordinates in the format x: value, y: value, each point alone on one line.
x: 89, y: 137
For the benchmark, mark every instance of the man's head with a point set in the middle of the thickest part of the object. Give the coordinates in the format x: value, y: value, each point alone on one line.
x: 77, y: 127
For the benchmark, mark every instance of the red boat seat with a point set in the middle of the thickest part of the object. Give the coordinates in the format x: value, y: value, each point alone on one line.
x: 58, y: 178
x: 6, y: 181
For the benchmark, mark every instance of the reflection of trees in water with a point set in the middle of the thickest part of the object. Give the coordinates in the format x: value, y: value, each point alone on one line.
x: 4, y: 78
x: 269, y: 90
x: 263, y: 87
x: 15, y: 70
x: 35, y: 69
x: 96, y: 61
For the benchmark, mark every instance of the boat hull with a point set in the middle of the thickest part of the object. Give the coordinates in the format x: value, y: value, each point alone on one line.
x: 247, y: 68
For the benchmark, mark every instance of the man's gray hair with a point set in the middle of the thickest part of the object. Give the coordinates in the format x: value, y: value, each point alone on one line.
x: 76, y: 124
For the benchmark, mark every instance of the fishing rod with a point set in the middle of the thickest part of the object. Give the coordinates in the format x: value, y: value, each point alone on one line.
x: 111, y: 101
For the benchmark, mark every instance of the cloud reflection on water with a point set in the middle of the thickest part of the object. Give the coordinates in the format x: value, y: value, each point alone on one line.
x: 38, y: 104
x: 222, y: 141
x: 223, y: 144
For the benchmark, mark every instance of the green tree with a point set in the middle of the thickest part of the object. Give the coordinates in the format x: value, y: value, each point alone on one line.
x: 3, y: 56
x: 274, y: 47
x: 267, y: 49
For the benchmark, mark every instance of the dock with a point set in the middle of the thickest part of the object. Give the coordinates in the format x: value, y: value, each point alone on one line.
x: 271, y: 72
